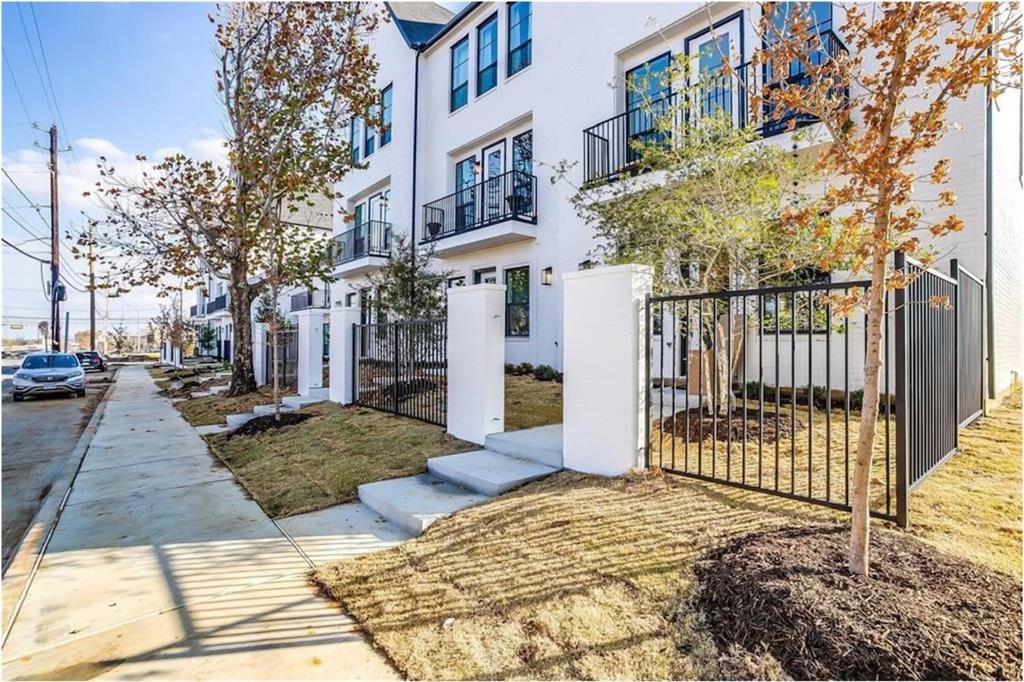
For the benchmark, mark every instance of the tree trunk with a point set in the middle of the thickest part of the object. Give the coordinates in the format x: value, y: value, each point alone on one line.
x: 725, y: 359
x: 274, y: 332
x: 873, y: 364
x: 243, y: 379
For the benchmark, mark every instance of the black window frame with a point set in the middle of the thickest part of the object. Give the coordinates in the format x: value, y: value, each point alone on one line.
x: 526, y: 46
x: 510, y: 304
x: 491, y: 21
x: 356, y: 144
x: 452, y: 88
x: 456, y: 281
x: 386, y: 113
x: 518, y: 162
x: 478, y: 274
x: 369, y: 130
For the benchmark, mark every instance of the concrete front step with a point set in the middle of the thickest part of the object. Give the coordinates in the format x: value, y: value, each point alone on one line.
x: 415, y: 502
x: 236, y: 420
x: 542, y: 444
x: 211, y: 429
x: 300, y: 401
x: 267, y: 410
x: 488, y: 473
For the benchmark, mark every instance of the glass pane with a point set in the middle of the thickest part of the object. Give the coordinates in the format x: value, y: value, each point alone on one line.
x: 518, y: 283
x: 487, y: 55
x: 647, y: 82
x: 522, y: 152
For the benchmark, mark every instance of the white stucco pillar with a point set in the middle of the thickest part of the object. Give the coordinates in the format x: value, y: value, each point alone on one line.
x: 341, y: 366
x: 605, y: 400
x: 311, y: 349
x: 476, y: 361
x: 259, y: 355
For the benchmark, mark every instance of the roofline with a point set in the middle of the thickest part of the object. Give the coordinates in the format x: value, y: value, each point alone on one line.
x: 398, y: 25
x: 452, y: 23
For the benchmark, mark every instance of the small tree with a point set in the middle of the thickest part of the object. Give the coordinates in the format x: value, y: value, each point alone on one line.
x: 206, y: 336
x: 289, y: 76
x: 909, y: 61
x: 120, y: 339
x: 408, y: 287
x: 706, y: 213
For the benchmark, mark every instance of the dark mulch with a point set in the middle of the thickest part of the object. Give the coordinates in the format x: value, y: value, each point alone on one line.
x: 695, y: 425
x: 921, y: 615
x: 268, y: 422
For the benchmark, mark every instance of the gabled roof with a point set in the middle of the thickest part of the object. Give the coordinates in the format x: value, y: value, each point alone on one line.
x: 418, y: 22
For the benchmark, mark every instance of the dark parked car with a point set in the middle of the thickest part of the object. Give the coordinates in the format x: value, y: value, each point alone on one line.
x: 48, y: 373
x: 91, y: 360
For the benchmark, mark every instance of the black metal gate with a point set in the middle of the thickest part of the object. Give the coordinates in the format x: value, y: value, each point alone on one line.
x: 767, y: 395
x: 402, y: 368
x: 287, y: 367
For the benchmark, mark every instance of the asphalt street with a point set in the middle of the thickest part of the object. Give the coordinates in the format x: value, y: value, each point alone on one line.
x: 38, y: 435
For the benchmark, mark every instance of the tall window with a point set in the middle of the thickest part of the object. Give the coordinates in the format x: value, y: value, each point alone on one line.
x: 371, y: 134
x: 386, y: 114
x: 517, y: 302
x: 356, y: 138
x: 520, y: 36
x: 465, y: 198
x: 522, y: 152
x: 487, y: 55
x: 647, y: 93
x: 460, y: 74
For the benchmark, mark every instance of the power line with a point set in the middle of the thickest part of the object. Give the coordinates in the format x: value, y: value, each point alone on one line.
x: 17, y: 89
x: 35, y: 62
x: 24, y: 253
x: 36, y: 205
x: 22, y: 225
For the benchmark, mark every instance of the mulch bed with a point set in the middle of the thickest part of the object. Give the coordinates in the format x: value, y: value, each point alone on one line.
x: 920, y: 615
x: 268, y: 422
x: 724, y: 427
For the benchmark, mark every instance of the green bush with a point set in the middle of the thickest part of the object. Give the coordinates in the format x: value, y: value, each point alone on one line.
x: 546, y: 373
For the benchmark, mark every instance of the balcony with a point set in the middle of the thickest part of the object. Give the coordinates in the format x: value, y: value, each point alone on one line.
x: 499, y: 210
x: 197, y: 310
x: 313, y: 298
x: 610, y: 148
x: 218, y: 304
x: 361, y: 249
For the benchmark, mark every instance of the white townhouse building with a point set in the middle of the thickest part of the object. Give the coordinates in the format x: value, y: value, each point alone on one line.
x: 480, y: 105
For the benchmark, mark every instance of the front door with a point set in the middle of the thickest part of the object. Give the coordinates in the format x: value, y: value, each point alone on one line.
x: 717, y: 92
x: 494, y: 168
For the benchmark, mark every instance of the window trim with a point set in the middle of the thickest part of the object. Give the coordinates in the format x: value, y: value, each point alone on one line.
x: 387, y: 130
x: 484, y: 271
x: 528, y: 43
x: 513, y: 159
x: 509, y: 304
x: 451, y: 75
x: 625, y: 76
x: 497, y: 52
x: 357, y: 151
x: 367, y: 131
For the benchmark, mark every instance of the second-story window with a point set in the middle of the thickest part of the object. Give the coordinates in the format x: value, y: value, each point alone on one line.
x: 356, y: 138
x: 520, y: 36
x: 460, y: 75
x: 487, y: 55
x: 371, y: 133
x: 386, y: 112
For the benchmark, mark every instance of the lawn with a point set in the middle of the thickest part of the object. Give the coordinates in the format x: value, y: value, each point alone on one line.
x: 319, y: 462
x: 584, y: 577
x: 212, y: 409
x: 530, y: 403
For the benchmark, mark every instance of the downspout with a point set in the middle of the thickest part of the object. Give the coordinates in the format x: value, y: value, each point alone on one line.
x: 990, y: 344
x: 415, y: 139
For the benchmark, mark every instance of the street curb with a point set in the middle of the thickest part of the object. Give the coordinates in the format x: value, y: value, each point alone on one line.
x: 29, y: 553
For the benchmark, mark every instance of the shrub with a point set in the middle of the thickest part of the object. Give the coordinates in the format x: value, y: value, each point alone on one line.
x: 546, y: 373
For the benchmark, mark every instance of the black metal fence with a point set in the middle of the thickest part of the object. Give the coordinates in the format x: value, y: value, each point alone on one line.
x: 371, y: 238
x: 970, y: 346
x: 402, y: 368
x: 509, y: 196
x: 762, y: 388
x: 287, y: 366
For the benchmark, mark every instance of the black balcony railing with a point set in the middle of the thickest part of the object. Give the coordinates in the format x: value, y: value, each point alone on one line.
x: 312, y: 298
x: 509, y: 196
x: 219, y: 303
x: 614, y: 146
x: 193, y: 311
x: 372, y: 238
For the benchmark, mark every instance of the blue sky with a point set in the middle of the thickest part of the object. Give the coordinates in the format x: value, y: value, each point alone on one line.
x: 128, y: 78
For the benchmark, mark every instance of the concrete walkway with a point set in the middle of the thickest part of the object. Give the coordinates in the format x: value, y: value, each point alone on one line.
x: 162, y: 567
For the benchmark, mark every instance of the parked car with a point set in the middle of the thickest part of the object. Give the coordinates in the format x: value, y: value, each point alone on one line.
x: 92, y: 360
x: 47, y: 373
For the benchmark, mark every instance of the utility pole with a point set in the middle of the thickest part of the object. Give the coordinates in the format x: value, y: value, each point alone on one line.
x: 67, y: 328
x: 106, y: 318
x: 54, y: 246
x: 92, y: 293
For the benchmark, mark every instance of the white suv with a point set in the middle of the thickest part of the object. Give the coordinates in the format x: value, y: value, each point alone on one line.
x: 48, y: 373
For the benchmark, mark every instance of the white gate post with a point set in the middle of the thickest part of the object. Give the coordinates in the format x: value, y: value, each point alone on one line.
x: 259, y: 355
x: 341, y: 366
x: 605, y: 400
x: 476, y: 361
x: 311, y: 349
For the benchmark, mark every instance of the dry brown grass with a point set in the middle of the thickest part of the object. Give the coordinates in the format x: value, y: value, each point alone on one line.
x: 319, y: 462
x: 212, y: 409
x: 585, y: 577
x: 530, y: 403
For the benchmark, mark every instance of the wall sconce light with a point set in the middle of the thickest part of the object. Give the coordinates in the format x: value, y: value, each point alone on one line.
x: 547, y: 277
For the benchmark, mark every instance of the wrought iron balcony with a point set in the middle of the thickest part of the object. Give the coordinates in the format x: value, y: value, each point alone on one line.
x: 613, y: 147
x: 311, y: 298
x: 509, y: 196
x: 372, y: 238
x: 198, y: 310
x: 217, y: 304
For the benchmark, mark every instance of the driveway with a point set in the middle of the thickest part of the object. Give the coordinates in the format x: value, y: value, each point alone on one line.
x: 161, y: 566
x: 38, y: 436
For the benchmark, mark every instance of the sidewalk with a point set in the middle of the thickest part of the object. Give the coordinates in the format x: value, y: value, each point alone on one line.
x: 162, y: 567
